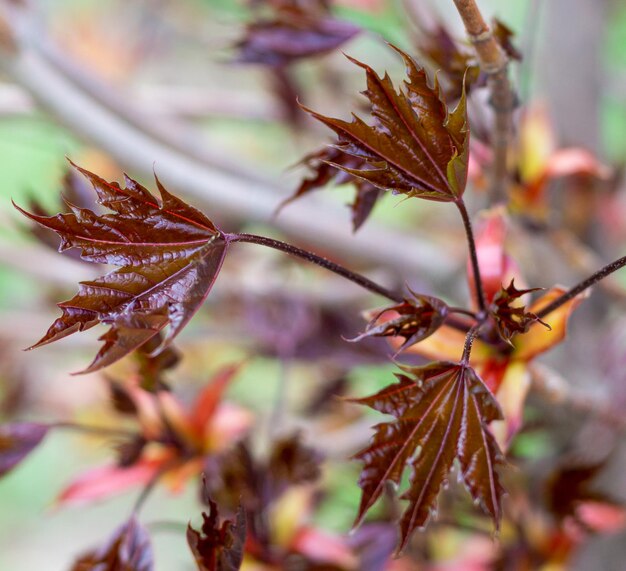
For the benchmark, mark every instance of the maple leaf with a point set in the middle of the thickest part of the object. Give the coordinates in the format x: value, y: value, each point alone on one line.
x: 237, y: 477
x: 218, y: 548
x: 323, y: 164
x: 129, y: 549
x: 17, y: 441
x: 295, y: 30
x: 457, y: 65
x: 511, y: 319
x: 414, y: 146
x: 174, y: 441
x: 504, y: 35
x: 168, y: 254
x: 442, y: 411
x: 419, y: 317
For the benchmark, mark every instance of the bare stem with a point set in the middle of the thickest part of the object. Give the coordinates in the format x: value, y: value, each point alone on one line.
x: 320, y: 261
x: 462, y: 311
x: 469, y: 341
x: 582, y: 286
x: 471, y: 244
x: 494, y: 62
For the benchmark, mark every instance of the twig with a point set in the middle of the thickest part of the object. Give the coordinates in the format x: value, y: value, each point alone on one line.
x: 471, y: 244
x: 318, y: 260
x: 582, y: 286
x: 494, y: 62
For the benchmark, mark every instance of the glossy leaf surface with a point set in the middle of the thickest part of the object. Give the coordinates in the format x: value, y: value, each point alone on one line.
x: 442, y: 411
x: 129, y: 549
x: 17, y: 441
x: 414, y: 146
x: 168, y: 254
x: 218, y: 547
x: 509, y: 317
x: 416, y: 318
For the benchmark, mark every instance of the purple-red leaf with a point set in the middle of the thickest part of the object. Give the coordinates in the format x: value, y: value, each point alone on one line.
x: 18, y: 440
x: 509, y: 318
x: 324, y: 173
x: 414, y: 146
x: 129, y: 549
x: 295, y: 31
x: 418, y: 317
x: 442, y: 411
x: 457, y: 65
x: 505, y: 36
x: 168, y: 254
x: 218, y: 548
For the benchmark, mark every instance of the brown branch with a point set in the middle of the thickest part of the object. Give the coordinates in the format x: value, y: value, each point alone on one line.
x: 494, y: 62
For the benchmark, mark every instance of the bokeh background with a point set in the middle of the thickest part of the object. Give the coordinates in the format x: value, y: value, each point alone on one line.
x: 171, y: 64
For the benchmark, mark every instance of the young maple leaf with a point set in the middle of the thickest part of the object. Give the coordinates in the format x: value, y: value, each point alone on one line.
x: 218, y: 548
x: 173, y: 442
x: 458, y: 66
x: 17, y: 441
x: 511, y: 319
x: 168, y: 254
x: 324, y: 171
x: 129, y: 549
x: 442, y: 411
x: 414, y: 145
x: 418, y: 317
x: 296, y: 30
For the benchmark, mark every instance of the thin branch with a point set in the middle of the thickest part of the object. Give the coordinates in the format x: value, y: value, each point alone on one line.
x: 320, y: 261
x: 582, y: 286
x: 494, y: 62
x: 462, y: 311
x: 471, y: 244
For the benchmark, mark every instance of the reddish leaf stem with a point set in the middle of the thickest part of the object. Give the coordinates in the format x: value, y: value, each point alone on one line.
x: 462, y: 311
x: 315, y: 259
x: 582, y: 286
x: 471, y: 244
x: 469, y: 341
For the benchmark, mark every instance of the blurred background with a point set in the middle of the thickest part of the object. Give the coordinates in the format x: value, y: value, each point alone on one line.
x: 161, y: 84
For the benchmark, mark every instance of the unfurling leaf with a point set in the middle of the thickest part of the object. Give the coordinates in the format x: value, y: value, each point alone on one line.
x: 129, y: 549
x: 418, y: 317
x: 292, y: 463
x: 239, y: 478
x: 18, y: 440
x: 295, y: 31
x: 218, y: 548
x: 458, y: 66
x: 442, y: 411
x: 511, y: 319
x: 504, y: 35
x: 414, y: 146
x: 323, y: 164
x: 168, y: 254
